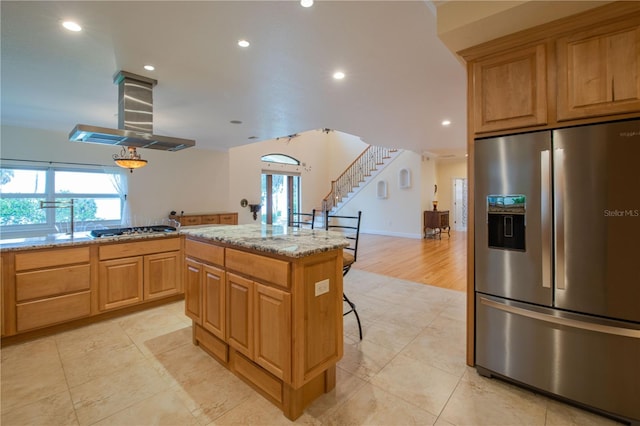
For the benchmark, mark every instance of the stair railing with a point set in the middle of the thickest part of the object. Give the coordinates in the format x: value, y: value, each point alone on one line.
x: 356, y: 173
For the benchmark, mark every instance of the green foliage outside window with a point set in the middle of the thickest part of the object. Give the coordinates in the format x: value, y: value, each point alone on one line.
x: 27, y: 211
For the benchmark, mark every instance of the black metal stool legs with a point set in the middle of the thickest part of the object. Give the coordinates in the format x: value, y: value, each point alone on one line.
x: 353, y: 309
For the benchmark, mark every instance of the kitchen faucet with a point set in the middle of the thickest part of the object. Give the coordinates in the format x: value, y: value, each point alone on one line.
x: 60, y: 205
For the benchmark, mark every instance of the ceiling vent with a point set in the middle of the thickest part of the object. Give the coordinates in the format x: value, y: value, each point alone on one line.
x: 135, y: 119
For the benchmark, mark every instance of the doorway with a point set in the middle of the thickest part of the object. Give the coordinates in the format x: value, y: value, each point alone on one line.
x: 460, y: 192
x: 280, y: 192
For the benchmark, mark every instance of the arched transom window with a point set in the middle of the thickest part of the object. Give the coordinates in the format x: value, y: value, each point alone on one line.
x: 280, y: 159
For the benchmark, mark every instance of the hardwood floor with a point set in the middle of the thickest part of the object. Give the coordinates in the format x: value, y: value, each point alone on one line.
x: 441, y: 263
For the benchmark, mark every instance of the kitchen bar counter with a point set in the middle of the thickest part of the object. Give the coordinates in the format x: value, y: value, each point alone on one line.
x: 284, y: 241
x: 290, y: 242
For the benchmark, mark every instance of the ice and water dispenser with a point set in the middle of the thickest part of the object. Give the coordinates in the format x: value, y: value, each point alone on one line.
x: 506, y: 221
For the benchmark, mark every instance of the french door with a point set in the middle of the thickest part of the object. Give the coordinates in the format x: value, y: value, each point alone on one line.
x: 280, y: 193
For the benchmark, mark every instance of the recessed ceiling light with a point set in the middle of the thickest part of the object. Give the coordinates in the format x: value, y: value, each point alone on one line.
x: 338, y: 75
x: 72, y: 26
x: 149, y: 67
x: 306, y: 3
x: 446, y: 122
x: 243, y: 43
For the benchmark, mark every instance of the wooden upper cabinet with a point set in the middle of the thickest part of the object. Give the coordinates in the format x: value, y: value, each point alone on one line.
x: 599, y: 71
x: 510, y: 90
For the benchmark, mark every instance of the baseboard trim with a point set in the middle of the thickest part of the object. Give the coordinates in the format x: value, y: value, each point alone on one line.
x: 390, y: 234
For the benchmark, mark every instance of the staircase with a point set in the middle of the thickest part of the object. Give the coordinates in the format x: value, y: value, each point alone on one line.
x: 363, y: 168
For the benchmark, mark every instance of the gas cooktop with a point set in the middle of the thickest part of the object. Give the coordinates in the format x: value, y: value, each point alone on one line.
x: 140, y: 230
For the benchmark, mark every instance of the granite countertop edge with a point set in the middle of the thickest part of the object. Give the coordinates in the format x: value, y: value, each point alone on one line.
x: 289, y: 242
x: 283, y: 241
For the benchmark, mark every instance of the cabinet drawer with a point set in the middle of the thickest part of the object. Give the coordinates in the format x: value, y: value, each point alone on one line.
x: 206, y: 252
x: 190, y: 220
x: 228, y: 219
x: 115, y: 251
x: 51, y: 311
x: 49, y: 258
x: 51, y: 282
x: 211, y: 219
x: 263, y: 268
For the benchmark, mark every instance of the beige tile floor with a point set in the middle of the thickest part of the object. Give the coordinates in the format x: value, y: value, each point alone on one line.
x: 142, y: 369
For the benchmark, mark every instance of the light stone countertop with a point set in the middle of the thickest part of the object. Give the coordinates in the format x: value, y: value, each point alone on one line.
x: 290, y: 242
x: 78, y: 238
x: 281, y: 240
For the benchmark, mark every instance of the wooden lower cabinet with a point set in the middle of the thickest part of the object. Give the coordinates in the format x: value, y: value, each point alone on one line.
x: 259, y: 315
x: 134, y: 272
x: 259, y: 324
x: 214, y: 301
x: 272, y: 330
x: 240, y: 314
x: 53, y: 310
x: 49, y: 287
x: 205, y: 300
x: 161, y: 275
x: 193, y: 272
x: 120, y: 283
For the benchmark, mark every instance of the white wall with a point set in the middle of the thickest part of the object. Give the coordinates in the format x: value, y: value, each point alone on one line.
x: 199, y: 181
x: 400, y: 214
x: 192, y: 180
x: 322, y: 156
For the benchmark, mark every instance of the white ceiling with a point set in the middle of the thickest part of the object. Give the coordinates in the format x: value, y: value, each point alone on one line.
x: 401, y: 81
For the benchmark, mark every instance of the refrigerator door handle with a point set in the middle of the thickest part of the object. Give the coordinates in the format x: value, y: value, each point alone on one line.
x: 568, y: 322
x: 559, y: 182
x: 545, y: 215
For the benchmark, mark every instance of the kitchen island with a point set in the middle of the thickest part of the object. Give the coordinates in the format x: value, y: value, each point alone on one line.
x: 266, y: 302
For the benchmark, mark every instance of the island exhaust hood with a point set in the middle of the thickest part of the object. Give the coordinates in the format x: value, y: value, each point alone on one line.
x: 135, y: 119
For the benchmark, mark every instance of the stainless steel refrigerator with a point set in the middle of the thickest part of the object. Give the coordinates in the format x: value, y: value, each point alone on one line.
x: 557, y: 263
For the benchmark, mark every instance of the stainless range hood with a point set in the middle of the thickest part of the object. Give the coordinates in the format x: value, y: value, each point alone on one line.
x: 135, y: 119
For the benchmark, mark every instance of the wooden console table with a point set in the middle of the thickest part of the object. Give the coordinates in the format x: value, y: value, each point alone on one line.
x: 207, y: 219
x: 438, y: 221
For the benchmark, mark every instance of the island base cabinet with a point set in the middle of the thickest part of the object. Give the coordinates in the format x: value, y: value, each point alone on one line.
x: 193, y: 272
x: 240, y: 314
x: 274, y: 321
x: 272, y: 330
x: 292, y: 401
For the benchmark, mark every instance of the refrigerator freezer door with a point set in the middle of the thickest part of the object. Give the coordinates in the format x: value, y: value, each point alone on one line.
x: 597, y: 219
x: 513, y: 217
x: 585, y: 359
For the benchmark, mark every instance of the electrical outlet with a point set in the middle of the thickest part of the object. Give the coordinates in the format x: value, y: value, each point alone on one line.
x: 322, y: 287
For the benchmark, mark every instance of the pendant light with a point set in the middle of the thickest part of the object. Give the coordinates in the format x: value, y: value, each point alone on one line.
x: 129, y: 159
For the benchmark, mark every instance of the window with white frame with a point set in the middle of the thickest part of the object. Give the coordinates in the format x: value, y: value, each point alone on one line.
x: 98, y: 194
